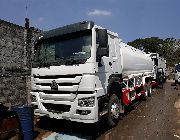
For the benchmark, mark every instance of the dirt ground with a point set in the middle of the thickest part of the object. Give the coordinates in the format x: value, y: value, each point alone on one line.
x: 157, y: 118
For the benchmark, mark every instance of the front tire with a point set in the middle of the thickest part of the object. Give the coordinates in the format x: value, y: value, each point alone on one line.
x: 113, y: 111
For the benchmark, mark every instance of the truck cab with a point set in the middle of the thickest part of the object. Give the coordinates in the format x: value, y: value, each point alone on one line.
x: 70, y: 71
x: 160, y: 71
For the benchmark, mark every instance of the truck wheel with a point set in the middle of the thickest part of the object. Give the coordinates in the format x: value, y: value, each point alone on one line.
x: 145, y: 91
x: 160, y: 82
x: 161, y: 86
x: 176, y: 82
x: 113, y: 111
x: 148, y: 90
x: 165, y: 79
x: 176, y: 85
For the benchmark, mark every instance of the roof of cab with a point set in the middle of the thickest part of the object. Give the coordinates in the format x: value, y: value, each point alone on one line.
x: 66, y: 29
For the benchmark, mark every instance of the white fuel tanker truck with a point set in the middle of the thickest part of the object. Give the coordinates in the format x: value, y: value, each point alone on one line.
x: 177, y: 74
x: 160, y: 70
x: 82, y: 72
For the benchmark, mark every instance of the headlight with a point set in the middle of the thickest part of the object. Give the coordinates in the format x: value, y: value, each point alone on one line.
x: 86, y: 102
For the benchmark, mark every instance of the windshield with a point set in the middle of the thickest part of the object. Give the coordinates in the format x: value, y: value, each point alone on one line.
x: 177, y: 68
x: 74, y: 49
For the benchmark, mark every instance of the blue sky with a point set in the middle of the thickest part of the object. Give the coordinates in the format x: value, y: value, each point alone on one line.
x: 131, y: 19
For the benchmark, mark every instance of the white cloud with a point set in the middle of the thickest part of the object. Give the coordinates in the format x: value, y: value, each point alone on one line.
x: 98, y: 12
x: 37, y: 22
x: 40, y: 19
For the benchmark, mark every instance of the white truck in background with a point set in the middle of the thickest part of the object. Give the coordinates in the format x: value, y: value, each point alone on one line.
x: 177, y: 74
x: 82, y: 72
x: 160, y: 70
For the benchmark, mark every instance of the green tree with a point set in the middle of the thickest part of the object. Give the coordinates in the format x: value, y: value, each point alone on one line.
x: 168, y: 48
x: 147, y: 45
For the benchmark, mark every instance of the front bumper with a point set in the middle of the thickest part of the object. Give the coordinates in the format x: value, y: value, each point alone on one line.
x: 64, y: 100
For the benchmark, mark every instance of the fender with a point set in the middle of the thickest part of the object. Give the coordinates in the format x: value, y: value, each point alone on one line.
x: 114, y: 81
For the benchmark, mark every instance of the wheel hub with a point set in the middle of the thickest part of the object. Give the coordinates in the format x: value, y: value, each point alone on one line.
x: 115, y: 111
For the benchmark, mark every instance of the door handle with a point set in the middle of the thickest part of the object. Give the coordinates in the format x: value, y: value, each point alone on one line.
x: 110, y: 64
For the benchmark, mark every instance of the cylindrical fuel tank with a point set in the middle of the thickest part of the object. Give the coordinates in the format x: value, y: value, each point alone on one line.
x: 134, y: 61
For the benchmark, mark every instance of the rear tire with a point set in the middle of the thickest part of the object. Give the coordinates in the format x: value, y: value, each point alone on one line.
x: 113, y: 111
x: 148, y: 90
x: 161, y: 81
x: 176, y: 84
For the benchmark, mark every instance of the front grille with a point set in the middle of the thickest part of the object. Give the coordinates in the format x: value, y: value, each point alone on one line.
x: 57, y: 76
x: 56, y: 92
x: 60, y: 84
x: 57, y: 108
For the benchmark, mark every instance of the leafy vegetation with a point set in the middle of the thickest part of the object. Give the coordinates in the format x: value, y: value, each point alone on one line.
x: 168, y: 48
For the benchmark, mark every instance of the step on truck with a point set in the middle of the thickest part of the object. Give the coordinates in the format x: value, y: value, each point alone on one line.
x: 82, y: 72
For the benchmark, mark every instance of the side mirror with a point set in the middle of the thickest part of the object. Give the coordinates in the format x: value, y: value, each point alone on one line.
x: 102, y: 39
x: 101, y: 52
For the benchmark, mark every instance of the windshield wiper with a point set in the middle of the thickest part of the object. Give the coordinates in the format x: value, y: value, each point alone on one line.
x: 46, y: 64
x: 75, y: 60
x: 70, y: 61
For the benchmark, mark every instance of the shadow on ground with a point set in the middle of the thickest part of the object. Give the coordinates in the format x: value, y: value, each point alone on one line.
x: 80, y: 130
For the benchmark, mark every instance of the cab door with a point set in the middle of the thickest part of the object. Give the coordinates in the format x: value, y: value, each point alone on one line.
x: 114, y: 54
